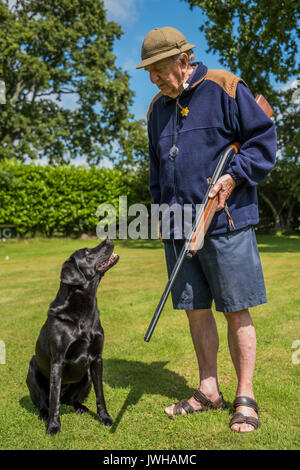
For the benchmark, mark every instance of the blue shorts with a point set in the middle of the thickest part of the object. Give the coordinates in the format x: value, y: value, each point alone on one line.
x: 227, y: 270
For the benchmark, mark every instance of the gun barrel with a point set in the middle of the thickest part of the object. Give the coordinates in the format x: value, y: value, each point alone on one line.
x: 226, y: 156
x: 202, y: 221
x: 165, y: 295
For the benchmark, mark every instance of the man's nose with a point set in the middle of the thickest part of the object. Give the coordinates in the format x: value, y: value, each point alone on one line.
x: 153, y: 77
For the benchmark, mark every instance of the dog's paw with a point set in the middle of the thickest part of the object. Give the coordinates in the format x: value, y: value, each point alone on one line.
x: 105, y: 419
x: 43, y: 415
x: 80, y: 409
x: 53, y: 428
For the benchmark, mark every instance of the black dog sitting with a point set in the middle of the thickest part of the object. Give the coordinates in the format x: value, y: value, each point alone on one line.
x: 68, y: 357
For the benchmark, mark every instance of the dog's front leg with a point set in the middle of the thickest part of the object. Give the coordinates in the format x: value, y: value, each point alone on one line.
x: 96, y: 371
x: 53, y: 426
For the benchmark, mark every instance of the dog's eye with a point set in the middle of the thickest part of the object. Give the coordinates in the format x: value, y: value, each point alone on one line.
x: 88, y: 252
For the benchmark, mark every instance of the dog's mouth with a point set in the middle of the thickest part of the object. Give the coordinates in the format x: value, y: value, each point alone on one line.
x: 109, y: 263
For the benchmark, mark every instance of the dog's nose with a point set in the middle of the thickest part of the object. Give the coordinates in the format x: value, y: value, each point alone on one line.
x: 109, y: 242
x: 106, y: 244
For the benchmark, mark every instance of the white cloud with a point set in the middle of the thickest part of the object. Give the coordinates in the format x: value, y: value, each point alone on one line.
x: 292, y: 84
x: 122, y: 11
x: 11, y: 4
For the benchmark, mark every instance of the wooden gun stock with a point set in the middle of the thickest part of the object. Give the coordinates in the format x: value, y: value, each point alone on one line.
x: 212, y: 204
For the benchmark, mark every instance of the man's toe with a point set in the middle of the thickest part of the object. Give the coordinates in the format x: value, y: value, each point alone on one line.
x: 246, y: 428
x: 170, y: 410
x: 235, y: 427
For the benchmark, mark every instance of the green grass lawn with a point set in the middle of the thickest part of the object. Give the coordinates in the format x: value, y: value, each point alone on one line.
x: 140, y: 379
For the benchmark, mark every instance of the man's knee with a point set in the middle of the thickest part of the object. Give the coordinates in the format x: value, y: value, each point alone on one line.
x: 199, y: 315
x: 239, y: 318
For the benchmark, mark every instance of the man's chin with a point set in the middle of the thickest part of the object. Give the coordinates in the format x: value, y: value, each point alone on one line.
x: 167, y: 92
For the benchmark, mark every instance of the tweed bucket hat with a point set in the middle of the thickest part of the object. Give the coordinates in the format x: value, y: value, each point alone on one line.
x: 161, y: 43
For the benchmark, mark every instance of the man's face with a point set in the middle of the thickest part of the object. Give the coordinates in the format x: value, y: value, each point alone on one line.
x: 167, y: 76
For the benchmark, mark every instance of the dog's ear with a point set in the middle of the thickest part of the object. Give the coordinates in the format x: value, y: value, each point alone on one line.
x: 71, y: 275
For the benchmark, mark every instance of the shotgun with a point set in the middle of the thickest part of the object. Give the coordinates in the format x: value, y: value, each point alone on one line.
x: 203, y: 220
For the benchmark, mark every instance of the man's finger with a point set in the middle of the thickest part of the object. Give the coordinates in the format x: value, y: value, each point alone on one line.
x: 214, y: 191
x: 222, y: 199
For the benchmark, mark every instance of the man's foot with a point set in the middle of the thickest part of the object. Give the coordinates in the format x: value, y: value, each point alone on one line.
x: 197, y: 403
x: 245, y: 418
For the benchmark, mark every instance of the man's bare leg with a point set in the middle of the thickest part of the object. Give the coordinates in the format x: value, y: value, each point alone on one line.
x: 242, y: 346
x: 206, y: 343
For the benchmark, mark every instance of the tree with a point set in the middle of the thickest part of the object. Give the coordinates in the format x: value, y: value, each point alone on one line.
x: 280, y: 192
x: 257, y: 38
x: 52, y: 50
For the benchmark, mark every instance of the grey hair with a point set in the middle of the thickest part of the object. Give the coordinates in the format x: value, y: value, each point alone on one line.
x: 190, y: 53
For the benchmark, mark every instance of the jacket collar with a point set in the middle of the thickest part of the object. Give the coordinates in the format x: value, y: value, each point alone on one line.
x: 194, y: 79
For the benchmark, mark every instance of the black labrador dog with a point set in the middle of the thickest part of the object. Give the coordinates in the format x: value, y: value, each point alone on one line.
x: 68, y: 354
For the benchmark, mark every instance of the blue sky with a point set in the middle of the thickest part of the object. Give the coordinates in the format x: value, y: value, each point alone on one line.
x: 137, y: 18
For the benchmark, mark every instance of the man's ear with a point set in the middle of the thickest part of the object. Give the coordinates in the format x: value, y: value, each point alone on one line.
x: 71, y: 275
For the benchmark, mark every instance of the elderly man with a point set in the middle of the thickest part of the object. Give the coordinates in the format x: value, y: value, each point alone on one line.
x: 195, y: 116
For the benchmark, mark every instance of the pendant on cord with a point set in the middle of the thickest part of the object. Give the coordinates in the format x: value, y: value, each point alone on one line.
x: 173, y: 152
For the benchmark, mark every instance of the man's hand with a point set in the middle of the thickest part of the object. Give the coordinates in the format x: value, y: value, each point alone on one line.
x: 223, y: 187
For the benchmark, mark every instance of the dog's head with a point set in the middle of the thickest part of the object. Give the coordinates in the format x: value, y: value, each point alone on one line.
x: 88, y: 263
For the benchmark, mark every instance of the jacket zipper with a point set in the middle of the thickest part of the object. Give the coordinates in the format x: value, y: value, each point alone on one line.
x: 176, y: 129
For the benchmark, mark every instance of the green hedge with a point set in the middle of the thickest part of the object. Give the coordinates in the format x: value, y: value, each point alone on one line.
x: 56, y: 201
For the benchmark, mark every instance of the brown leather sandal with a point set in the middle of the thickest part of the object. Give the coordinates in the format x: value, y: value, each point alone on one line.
x: 239, y: 418
x: 207, y: 404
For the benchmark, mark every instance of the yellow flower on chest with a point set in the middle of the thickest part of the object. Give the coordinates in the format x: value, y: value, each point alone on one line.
x: 184, y: 111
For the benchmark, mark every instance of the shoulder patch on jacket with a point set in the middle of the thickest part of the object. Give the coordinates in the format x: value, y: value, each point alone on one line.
x: 226, y: 80
x: 156, y: 97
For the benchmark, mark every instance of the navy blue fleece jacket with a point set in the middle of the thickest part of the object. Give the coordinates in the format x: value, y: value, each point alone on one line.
x: 221, y: 110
